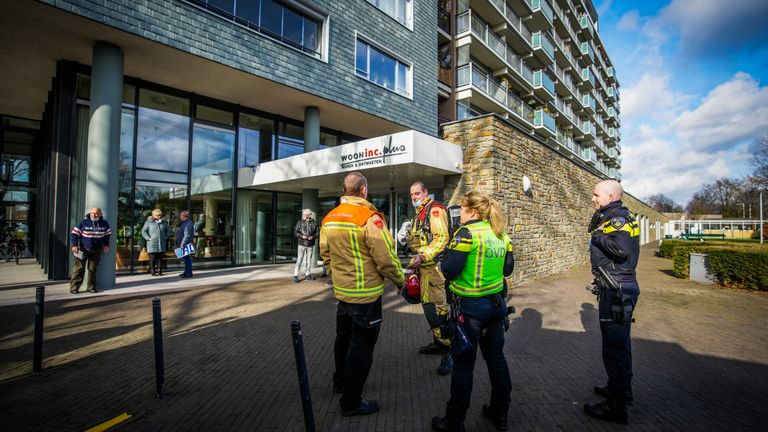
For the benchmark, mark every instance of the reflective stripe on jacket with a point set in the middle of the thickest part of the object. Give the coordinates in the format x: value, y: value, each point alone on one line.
x: 483, y: 273
x: 429, y: 241
x: 360, y: 251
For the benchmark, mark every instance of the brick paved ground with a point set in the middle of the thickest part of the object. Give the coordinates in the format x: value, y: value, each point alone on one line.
x: 701, y: 360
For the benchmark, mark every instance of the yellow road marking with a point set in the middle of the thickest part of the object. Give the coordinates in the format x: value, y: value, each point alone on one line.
x: 108, y: 424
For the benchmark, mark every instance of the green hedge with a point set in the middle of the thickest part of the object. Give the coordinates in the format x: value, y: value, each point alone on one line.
x: 733, y: 264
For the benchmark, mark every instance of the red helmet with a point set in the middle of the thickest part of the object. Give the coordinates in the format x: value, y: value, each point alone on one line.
x: 412, y: 289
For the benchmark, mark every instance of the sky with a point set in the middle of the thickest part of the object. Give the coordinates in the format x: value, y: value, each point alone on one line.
x: 694, y: 89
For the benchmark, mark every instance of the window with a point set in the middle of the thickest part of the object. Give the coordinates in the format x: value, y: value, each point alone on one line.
x: 287, y: 24
x: 401, y: 10
x: 382, y: 69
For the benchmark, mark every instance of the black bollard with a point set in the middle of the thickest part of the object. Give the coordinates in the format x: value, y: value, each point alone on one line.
x: 301, y: 369
x: 157, y: 322
x: 37, y: 347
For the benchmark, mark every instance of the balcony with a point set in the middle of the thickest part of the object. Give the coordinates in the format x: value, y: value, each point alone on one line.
x: 543, y: 85
x: 492, y: 95
x: 587, y: 78
x: 445, y: 75
x: 542, y: 16
x: 612, y: 153
x: 588, y: 129
x: 511, y: 25
x: 544, y: 123
x: 564, y: 53
x: 610, y: 74
x: 613, y: 93
x: 444, y: 23
x: 491, y: 50
x: 589, y: 155
x: 614, y: 174
x: 543, y: 47
x: 587, y: 27
x: 566, y: 141
x: 564, y: 84
x: 588, y: 102
x: 587, y: 53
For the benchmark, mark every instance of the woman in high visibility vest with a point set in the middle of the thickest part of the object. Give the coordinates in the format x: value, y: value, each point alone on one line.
x: 478, y: 259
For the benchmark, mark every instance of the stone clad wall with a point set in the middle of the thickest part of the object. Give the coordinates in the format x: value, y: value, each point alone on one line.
x: 548, y: 226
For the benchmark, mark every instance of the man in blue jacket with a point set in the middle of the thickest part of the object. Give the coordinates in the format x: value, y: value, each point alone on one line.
x: 89, y: 239
x: 184, y: 236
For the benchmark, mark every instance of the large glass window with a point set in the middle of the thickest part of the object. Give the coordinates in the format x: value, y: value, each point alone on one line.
x: 383, y: 69
x: 288, y: 213
x: 290, y: 25
x: 211, y: 209
x: 171, y: 199
x: 163, y: 135
x: 125, y: 234
x: 290, y: 141
x: 255, y: 140
x: 397, y: 9
x: 255, y: 230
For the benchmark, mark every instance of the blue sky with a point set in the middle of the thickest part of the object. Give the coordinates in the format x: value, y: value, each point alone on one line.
x: 694, y: 89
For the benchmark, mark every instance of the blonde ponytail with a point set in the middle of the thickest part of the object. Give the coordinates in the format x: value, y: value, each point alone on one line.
x: 487, y: 209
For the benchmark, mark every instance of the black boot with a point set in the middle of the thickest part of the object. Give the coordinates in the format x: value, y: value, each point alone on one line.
x: 499, y: 420
x: 434, y: 347
x: 441, y: 424
x: 603, y: 391
x: 614, y: 410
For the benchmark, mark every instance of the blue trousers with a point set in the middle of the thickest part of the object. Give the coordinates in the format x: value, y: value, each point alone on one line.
x: 188, y: 265
x: 617, y: 345
x: 484, y: 326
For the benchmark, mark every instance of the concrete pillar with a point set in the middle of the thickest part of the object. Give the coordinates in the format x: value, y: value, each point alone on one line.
x: 104, y: 146
x: 311, y: 129
x: 210, y: 209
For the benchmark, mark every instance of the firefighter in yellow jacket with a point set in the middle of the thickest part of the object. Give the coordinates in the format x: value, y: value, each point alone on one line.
x: 360, y: 252
x: 428, y: 237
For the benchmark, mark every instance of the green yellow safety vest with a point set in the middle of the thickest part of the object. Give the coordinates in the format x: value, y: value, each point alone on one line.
x: 483, y: 273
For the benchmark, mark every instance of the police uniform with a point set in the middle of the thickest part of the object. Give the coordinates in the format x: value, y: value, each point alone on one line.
x: 428, y: 237
x: 615, y: 247
x: 475, y: 265
x: 360, y: 251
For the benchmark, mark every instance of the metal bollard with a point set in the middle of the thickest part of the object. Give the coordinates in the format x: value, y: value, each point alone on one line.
x: 37, y: 347
x: 301, y: 369
x: 157, y: 322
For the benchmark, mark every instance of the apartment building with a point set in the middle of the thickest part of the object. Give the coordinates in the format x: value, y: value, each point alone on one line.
x: 542, y: 65
x: 243, y: 112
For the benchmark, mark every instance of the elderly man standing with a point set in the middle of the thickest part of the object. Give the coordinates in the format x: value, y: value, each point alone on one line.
x: 184, y: 236
x: 614, y: 249
x: 88, y: 239
x: 357, y: 246
x: 306, y: 232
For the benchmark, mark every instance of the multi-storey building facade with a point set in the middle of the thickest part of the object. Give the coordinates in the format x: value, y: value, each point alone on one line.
x: 540, y: 64
x: 244, y: 112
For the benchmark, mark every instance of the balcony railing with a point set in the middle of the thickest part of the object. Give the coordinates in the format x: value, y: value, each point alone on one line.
x: 445, y: 75
x: 588, y: 102
x: 544, y: 6
x: 444, y: 20
x: 588, y: 75
x: 589, y: 155
x: 587, y: 50
x: 480, y: 29
x: 542, y: 79
x: 513, y: 19
x: 586, y: 24
x: 565, y: 48
x: 470, y: 73
x: 542, y: 118
x: 543, y: 41
x: 566, y: 140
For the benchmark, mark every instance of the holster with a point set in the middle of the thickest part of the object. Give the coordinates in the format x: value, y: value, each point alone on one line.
x: 621, y: 308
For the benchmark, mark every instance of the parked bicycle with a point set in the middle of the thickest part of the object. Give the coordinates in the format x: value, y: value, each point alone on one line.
x: 11, y: 247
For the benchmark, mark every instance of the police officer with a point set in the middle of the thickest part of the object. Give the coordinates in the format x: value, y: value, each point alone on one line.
x: 478, y: 259
x: 428, y: 237
x: 614, y: 248
x: 360, y: 251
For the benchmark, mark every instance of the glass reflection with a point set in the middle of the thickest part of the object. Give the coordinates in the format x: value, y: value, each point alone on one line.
x: 255, y: 140
x: 254, y: 227
x: 171, y: 199
x: 288, y: 213
x: 163, y: 135
x: 124, y: 232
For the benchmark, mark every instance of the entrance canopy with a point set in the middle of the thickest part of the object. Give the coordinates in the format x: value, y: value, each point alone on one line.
x: 389, y: 161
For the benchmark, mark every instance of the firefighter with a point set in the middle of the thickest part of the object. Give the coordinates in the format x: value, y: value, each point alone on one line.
x: 428, y: 237
x: 360, y: 252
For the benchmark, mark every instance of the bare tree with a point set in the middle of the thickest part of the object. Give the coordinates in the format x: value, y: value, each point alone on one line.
x: 700, y: 204
x: 663, y: 203
x: 759, y: 161
x: 725, y: 194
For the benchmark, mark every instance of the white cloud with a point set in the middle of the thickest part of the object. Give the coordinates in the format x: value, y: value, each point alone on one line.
x: 603, y: 8
x: 732, y: 112
x: 651, y: 96
x: 629, y: 22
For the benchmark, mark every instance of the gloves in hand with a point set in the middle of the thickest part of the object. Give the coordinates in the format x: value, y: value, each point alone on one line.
x: 415, y: 262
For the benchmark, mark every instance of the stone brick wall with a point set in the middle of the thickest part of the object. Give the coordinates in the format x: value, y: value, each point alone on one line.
x: 548, y: 226
x: 197, y: 32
